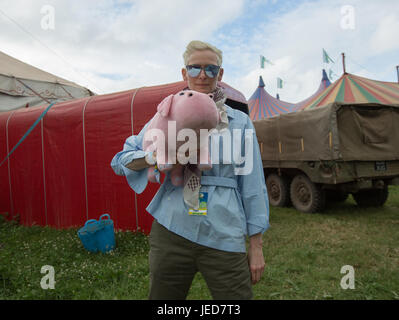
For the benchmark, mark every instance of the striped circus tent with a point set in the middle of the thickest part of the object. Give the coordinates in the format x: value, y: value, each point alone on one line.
x: 355, y: 89
x: 325, y: 83
x: 263, y: 105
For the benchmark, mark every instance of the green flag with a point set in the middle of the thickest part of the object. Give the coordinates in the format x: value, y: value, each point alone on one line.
x: 263, y: 60
x: 279, y: 83
x: 326, y: 57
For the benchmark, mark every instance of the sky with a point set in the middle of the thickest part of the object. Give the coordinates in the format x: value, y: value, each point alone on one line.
x: 115, y: 45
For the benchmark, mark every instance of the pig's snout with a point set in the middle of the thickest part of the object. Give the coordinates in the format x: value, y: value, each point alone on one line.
x: 191, y: 94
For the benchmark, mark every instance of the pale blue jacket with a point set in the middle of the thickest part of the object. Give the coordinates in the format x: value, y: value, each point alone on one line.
x: 237, y: 203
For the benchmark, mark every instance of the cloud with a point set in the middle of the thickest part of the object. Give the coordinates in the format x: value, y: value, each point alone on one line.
x: 143, y: 39
x: 386, y: 35
x: 294, y: 39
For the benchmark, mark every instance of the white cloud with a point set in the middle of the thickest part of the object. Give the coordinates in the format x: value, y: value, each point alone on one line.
x: 386, y: 35
x: 144, y: 39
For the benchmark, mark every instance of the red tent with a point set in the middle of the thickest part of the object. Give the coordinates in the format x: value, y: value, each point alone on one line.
x: 60, y: 175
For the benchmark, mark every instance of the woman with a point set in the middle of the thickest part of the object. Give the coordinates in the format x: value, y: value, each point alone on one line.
x: 237, y: 206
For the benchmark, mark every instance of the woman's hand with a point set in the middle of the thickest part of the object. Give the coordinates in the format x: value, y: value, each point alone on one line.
x: 255, y: 257
x: 142, y: 163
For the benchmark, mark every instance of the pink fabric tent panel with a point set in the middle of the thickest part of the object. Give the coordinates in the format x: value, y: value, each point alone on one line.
x: 106, y: 122
x: 64, y: 164
x: 5, y: 196
x: 26, y: 180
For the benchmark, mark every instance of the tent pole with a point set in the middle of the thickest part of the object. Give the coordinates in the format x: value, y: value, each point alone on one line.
x: 343, y: 62
x: 397, y: 72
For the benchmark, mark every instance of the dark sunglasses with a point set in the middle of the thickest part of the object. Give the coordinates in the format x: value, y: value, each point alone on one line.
x: 211, y: 70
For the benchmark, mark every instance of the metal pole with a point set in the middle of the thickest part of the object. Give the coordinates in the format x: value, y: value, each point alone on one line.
x: 397, y: 72
x: 343, y: 62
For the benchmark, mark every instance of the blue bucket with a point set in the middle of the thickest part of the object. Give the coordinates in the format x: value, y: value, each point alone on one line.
x: 87, y: 235
x: 98, y: 235
x: 106, y: 237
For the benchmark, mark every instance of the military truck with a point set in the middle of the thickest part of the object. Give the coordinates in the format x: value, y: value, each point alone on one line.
x: 330, y: 152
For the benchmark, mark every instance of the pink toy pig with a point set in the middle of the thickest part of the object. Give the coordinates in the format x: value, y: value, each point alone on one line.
x: 188, y: 110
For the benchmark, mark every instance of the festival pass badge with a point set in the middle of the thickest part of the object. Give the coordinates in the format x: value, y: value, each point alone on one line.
x: 203, y: 203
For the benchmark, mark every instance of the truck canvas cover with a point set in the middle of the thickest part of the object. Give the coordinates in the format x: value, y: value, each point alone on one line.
x: 337, y: 131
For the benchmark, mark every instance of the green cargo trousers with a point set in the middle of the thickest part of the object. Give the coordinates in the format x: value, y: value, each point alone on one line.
x: 174, y: 261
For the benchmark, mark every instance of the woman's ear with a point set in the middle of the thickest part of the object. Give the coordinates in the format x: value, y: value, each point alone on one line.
x: 220, y: 76
x: 184, y: 74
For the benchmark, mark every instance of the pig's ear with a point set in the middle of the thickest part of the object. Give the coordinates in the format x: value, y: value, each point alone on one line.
x: 164, y: 106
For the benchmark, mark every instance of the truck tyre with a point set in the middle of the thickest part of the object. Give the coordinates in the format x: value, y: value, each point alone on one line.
x: 278, y: 190
x: 307, y: 196
x: 371, y: 197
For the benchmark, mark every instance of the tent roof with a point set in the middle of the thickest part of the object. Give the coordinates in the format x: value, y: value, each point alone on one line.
x: 22, y: 85
x: 263, y: 105
x: 355, y: 89
x: 12, y: 67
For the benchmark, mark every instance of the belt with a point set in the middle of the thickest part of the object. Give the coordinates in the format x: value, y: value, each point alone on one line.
x: 219, y: 181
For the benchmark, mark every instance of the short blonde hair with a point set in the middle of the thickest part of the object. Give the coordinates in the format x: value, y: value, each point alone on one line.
x: 196, y: 45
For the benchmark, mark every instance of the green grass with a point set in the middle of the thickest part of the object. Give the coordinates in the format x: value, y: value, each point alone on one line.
x: 304, y: 254
x: 79, y: 274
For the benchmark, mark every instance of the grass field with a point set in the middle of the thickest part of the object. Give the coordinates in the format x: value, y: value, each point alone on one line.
x: 304, y: 255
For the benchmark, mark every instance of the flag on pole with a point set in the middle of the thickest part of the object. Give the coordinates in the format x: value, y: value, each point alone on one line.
x: 279, y: 83
x: 326, y: 57
x: 263, y: 60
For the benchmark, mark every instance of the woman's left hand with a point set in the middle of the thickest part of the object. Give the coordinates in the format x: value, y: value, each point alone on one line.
x: 255, y: 258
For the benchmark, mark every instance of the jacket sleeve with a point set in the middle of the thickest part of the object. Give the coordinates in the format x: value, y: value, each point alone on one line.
x: 132, y: 149
x: 251, y: 183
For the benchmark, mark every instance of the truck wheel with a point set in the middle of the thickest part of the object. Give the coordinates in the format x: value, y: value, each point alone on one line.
x: 307, y: 196
x: 371, y: 197
x: 278, y: 190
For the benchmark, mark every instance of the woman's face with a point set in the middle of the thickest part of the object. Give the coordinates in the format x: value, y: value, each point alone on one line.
x: 202, y: 83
